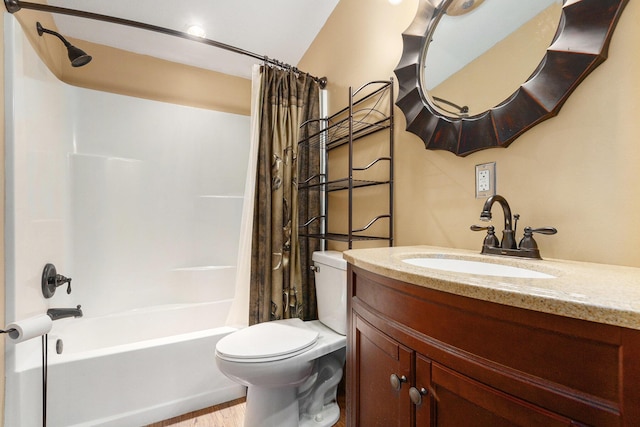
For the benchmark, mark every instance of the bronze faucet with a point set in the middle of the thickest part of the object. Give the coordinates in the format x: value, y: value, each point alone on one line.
x: 527, y: 247
x: 508, y: 241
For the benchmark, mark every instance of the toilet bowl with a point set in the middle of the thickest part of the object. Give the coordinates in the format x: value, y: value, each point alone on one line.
x: 292, y: 368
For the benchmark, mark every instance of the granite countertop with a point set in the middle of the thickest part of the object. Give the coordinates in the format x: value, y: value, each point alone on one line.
x: 599, y: 293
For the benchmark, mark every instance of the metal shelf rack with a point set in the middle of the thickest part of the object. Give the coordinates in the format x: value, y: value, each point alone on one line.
x: 370, y: 111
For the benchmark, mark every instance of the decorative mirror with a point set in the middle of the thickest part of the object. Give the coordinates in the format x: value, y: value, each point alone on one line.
x: 476, y: 74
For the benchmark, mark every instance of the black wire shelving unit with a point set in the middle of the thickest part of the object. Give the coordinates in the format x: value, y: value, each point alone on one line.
x: 369, y: 112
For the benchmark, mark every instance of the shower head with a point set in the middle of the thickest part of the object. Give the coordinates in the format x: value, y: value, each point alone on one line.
x: 78, y: 57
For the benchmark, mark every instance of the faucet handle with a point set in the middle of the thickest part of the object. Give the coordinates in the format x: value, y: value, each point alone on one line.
x: 61, y: 280
x: 490, y: 240
x: 528, y: 242
x: 541, y: 230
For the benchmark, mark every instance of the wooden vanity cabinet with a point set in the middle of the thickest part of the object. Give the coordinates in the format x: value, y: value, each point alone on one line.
x: 458, y: 361
x: 377, y: 358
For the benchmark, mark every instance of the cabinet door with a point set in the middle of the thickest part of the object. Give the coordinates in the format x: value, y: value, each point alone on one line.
x: 461, y: 401
x: 421, y: 395
x: 378, y: 358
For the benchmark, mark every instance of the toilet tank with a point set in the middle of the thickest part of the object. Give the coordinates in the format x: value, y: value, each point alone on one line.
x: 331, y: 289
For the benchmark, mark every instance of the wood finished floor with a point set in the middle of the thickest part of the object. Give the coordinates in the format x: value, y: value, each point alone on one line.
x: 230, y: 414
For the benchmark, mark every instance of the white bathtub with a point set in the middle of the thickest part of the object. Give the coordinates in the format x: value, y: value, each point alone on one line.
x: 127, y: 369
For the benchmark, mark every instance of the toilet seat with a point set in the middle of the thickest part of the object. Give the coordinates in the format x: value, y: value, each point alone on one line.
x: 267, y: 342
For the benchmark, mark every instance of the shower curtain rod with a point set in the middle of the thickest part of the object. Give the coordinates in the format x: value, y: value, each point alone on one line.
x: 14, y: 6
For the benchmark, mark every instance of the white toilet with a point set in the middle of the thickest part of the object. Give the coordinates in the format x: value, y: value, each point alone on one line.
x: 292, y: 368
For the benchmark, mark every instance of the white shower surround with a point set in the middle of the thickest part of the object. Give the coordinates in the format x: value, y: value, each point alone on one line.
x: 138, y: 201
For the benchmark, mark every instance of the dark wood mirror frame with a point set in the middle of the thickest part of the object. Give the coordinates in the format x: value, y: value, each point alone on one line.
x: 581, y: 44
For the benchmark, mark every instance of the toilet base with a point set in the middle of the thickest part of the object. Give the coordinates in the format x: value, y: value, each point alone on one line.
x: 328, y: 416
x: 310, y: 404
x: 268, y: 407
x: 281, y: 409
x: 318, y: 397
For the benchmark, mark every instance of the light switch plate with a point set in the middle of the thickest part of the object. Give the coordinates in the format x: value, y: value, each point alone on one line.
x: 485, y: 180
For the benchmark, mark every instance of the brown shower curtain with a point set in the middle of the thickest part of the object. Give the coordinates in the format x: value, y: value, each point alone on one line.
x: 280, y: 286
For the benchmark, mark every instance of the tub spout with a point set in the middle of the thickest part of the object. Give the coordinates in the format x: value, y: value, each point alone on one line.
x: 61, y: 313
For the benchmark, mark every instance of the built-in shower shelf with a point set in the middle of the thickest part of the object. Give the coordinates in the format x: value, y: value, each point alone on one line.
x: 205, y: 268
x: 103, y: 157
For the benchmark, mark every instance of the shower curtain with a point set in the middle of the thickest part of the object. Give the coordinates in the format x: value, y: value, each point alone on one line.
x: 280, y: 287
x: 239, y: 312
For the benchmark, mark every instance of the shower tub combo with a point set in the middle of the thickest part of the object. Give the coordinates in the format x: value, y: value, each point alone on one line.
x: 130, y: 368
x: 139, y: 201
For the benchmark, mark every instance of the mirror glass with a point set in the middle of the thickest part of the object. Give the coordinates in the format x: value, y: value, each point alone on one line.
x: 473, y: 39
x: 570, y: 45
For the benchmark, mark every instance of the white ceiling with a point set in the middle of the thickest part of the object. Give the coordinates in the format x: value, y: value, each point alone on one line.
x: 280, y: 29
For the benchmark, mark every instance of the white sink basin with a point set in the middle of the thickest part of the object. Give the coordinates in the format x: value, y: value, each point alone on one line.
x: 477, y: 267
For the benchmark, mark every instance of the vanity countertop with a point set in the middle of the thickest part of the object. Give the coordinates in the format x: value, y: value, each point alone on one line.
x: 599, y: 293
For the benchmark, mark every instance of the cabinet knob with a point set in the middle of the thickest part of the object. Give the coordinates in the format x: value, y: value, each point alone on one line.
x: 416, y: 395
x: 396, y: 382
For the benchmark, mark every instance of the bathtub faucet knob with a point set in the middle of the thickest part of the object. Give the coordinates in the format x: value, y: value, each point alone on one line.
x: 68, y: 280
x: 61, y: 280
x: 51, y: 280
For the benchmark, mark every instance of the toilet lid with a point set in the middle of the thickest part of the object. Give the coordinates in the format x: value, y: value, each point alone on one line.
x: 270, y: 340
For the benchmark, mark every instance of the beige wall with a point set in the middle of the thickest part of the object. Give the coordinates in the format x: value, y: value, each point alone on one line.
x: 577, y: 171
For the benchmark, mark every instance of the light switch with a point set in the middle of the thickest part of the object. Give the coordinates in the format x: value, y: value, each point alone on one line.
x: 485, y: 180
